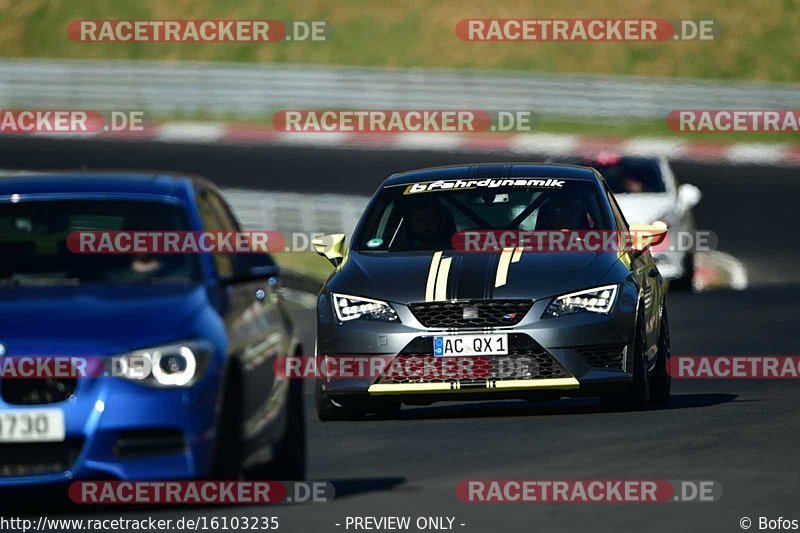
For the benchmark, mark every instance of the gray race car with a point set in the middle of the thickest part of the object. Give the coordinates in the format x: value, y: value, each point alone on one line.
x: 538, y: 322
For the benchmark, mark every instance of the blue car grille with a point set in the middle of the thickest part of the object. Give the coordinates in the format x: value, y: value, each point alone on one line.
x: 38, y: 458
x: 37, y: 391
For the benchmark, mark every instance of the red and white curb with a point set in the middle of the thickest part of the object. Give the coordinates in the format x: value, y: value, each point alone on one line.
x: 539, y: 144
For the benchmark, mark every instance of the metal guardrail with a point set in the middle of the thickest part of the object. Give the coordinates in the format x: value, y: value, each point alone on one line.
x: 290, y: 213
x: 251, y: 90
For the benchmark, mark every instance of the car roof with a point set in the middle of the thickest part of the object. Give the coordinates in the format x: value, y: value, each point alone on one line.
x: 493, y: 170
x: 99, y: 182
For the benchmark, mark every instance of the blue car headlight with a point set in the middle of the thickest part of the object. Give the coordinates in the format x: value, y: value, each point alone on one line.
x: 180, y: 364
x: 597, y: 300
x: 352, y: 307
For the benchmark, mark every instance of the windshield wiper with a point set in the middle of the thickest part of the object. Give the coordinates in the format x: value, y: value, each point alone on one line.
x: 45, y: 282
x: 17, y: 280
x: 152, y: 280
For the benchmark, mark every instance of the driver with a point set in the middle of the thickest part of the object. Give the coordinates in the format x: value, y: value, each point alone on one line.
x: 632, y: 184
x: 431, y: 225
x: 143, y: 263
x: 560, y: 213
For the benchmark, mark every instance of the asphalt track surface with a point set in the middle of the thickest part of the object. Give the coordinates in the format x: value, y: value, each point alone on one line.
x: 740, y: 433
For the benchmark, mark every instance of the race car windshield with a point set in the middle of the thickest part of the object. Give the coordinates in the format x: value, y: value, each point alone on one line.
x: 33, y: 243
x: 399, y: 221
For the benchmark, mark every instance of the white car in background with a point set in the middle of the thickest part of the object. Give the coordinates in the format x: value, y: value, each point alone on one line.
x: 647, y: 191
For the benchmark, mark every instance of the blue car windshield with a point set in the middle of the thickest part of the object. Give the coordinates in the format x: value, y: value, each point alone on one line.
x: 34, y: 250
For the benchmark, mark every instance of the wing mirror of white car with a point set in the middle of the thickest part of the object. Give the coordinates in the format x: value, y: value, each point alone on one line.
x: 689, y: 195
x: 660, y: 224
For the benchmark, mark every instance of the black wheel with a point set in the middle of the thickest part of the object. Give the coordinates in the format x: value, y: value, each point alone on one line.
x: 685, y: 282
x: 637, y: 395
x: 660, y: 380
x: 227, y: 461
x: 289, y: 454
x: 328, y: 411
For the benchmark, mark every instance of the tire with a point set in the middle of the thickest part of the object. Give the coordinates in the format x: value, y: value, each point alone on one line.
x: 327, y: 411
x: 684, y: 282
x: 227, y: 459
x: 637, y: 394
x: 660, y: 380
x: 289, y: 454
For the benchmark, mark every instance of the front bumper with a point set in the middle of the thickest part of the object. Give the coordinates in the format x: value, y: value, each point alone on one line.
x: 589, y: 354
x: 116, y: 429
x: 671, y: 265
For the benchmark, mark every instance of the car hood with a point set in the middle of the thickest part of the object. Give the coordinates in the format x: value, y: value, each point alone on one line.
x: 95, y: 320
x: 403, y: 277
x: 646, y: 208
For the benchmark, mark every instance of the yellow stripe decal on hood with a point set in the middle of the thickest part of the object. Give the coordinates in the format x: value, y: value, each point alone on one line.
x: 441, y: 280
x: 429, y: 288
x: 502, y: 267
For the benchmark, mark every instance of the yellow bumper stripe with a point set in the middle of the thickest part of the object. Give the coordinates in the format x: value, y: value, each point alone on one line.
x: 518, y: 384
x: 400, y: 388
x: 521, y: 384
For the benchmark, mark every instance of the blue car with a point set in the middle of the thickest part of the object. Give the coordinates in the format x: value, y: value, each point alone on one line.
x: 210, y: 324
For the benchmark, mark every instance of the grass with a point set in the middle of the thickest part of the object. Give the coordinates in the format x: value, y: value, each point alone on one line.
x: 305, y: 264
x: 756, y: 41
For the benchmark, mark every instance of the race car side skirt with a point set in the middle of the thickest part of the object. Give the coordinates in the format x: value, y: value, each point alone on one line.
x: 455, y: 386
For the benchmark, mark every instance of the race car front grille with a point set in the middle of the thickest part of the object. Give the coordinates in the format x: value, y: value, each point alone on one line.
x: 37, y: 391
x: 526, y: 359
x: 471, y: 313
x: 604, y: 357
x: 38, y: 458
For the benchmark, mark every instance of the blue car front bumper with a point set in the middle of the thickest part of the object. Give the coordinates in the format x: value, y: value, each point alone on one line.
x: 116, y: 429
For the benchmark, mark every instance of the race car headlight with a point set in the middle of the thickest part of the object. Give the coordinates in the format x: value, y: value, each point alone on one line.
x: 597, y: 300
x: 171, y: 365
x: 353, y: 307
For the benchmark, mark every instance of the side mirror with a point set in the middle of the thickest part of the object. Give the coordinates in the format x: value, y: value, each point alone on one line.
x: 253, y: 267
x: 689, y: 195
x: 660, y: 224
x: 330, y: 247
x: 645, y: 235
